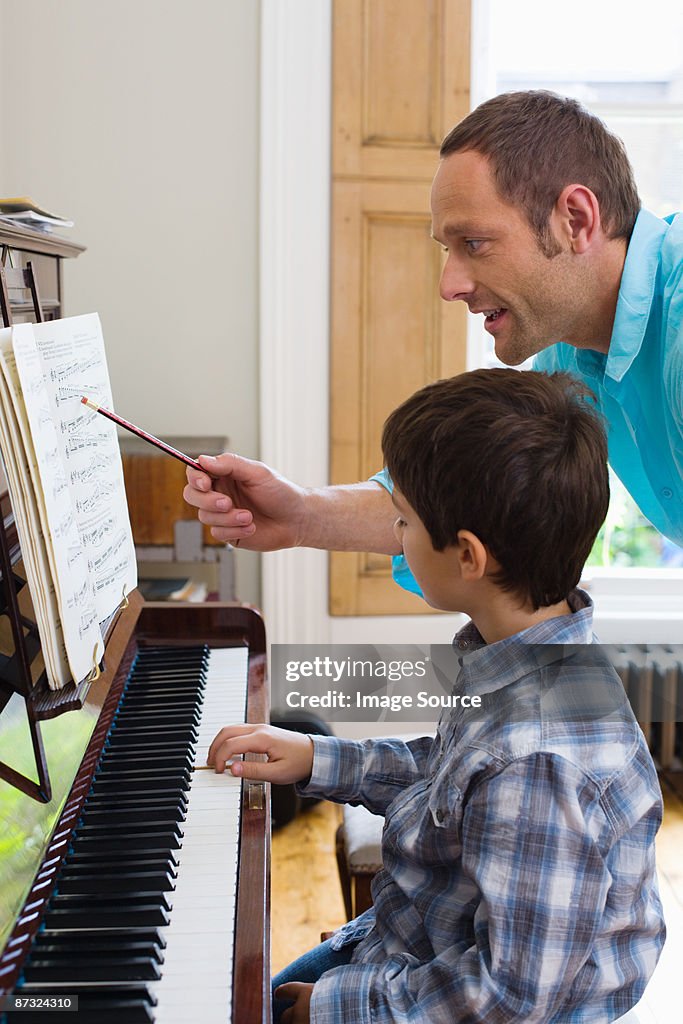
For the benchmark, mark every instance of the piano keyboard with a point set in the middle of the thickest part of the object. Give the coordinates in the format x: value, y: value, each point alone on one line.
x: 141, y: 923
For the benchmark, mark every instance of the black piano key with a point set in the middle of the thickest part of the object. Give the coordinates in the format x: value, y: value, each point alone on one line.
x: 165, y: 654
x: 165, y: 721
x: 141, y: 781
x: 168, y: 678
x: 148, y: 938
x: 121, y: 882
x: 114, y: 830
x: 143, y: 798
x: 115, y: 777
x: 104, y: 901
x: 117, y: 944
x: 151, y: 736
x: 180, y: 696
x: 91, y: 969
x: 102, y: 859
x: 146, y: 761
x: 144, y: 915
x: 113, y: 816
x: 99, y: 840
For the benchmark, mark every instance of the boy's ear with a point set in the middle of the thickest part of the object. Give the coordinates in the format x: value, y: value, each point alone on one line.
x: 473, y: 556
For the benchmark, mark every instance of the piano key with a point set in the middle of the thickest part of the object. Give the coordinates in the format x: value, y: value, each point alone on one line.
x: 145, y: 915
x: 91, y: 969
x: 122, y: 881
x: 113, y: 943
x: 150, y: 937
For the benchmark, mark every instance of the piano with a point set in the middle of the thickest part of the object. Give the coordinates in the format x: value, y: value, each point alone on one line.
x: 149, y: 899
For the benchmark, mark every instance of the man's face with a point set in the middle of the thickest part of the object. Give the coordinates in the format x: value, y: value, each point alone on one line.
x: 496, y: 265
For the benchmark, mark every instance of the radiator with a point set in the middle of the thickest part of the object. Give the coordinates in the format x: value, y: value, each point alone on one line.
x: 653, y: 679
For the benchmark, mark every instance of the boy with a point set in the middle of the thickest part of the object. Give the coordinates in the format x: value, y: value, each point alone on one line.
x: 518, y: 879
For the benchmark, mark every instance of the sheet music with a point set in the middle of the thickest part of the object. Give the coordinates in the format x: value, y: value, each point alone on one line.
x: 70, y: 572
x: 74, y: 364
x: 31, y: 531
x: 66, y: 481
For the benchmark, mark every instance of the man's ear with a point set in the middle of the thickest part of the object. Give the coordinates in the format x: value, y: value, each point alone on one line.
x: 576, y: 216
x: 472, y: 556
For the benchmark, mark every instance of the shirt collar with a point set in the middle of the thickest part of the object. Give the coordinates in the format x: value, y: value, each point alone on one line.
x: 636, y: 293
x: 488, y: 667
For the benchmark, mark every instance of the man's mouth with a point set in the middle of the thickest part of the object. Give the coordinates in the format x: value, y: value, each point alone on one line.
x: 492, y: 314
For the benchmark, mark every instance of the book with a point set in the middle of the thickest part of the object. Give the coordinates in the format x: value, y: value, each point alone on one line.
x: 65, y: 481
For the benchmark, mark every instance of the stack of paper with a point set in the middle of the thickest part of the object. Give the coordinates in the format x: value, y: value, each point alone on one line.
x: 22, y: 210
x: 66, y: 486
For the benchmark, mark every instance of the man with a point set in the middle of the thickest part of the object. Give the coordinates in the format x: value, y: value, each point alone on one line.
x: 535, y: 204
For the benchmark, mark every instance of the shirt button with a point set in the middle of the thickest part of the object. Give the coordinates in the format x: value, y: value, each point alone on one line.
x: 440, y: 815
x: 462, y: 644
x: 667, y: 492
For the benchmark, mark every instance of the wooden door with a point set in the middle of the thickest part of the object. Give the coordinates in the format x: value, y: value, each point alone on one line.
x: 401, y: 77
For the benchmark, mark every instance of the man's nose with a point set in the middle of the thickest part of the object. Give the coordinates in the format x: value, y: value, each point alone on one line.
x: 456, y: 283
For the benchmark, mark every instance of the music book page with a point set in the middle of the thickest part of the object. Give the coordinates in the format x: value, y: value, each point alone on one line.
x: 74, y: 488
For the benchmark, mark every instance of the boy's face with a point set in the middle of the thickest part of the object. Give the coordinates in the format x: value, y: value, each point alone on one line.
x: 437, y: 572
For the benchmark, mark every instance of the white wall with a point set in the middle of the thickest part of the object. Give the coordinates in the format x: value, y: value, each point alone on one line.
x: 139, y: 119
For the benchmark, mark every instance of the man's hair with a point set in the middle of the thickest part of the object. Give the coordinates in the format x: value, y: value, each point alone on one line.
x: 517, y: 458
x: 537, y: 143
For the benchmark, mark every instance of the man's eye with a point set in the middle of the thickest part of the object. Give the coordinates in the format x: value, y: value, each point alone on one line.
x: 472, y: 244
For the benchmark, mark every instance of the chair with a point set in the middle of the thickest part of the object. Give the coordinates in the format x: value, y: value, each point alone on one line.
x: 359, y: 857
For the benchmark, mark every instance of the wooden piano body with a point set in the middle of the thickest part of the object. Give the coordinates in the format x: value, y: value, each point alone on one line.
x: 139, y: 626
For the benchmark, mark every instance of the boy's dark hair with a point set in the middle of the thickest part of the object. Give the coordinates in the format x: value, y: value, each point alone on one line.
x: 537, y: 143
x: 518, y: 458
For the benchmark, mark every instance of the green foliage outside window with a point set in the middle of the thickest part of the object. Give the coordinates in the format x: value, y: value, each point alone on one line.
x: 628, y: 540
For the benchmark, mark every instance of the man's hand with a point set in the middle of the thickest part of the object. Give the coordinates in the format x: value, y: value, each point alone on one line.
x: 290, y: 754
x: 301, y: 992
x: 244, y: 500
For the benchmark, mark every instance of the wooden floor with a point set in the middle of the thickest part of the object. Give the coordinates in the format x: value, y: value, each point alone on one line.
x: 306, y: 898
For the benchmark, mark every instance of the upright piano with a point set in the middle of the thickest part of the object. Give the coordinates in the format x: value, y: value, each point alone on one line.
x: 128, y: 880
x: 142, y: 886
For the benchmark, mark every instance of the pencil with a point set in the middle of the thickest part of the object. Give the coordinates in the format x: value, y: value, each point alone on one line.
x: 150, y: 438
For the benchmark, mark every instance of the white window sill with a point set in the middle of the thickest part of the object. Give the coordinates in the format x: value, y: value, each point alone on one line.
x: 637, y: 605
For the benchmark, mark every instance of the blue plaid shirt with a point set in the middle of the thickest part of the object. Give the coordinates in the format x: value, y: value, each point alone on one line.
x: 519, y: 875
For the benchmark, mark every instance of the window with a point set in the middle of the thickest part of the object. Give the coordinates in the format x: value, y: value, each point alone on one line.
x: 628, y: 69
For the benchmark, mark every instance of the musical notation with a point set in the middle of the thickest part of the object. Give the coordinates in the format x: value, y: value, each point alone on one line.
x: 80, y: 496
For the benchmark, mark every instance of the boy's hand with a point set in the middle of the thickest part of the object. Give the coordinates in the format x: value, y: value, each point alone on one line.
x: 290, y: 754
x: 301, y: 992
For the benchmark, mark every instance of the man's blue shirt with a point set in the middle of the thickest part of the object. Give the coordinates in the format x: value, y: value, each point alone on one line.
x: 639, y: 383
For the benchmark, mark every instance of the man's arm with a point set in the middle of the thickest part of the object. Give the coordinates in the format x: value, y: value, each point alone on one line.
x: 243, y: 500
